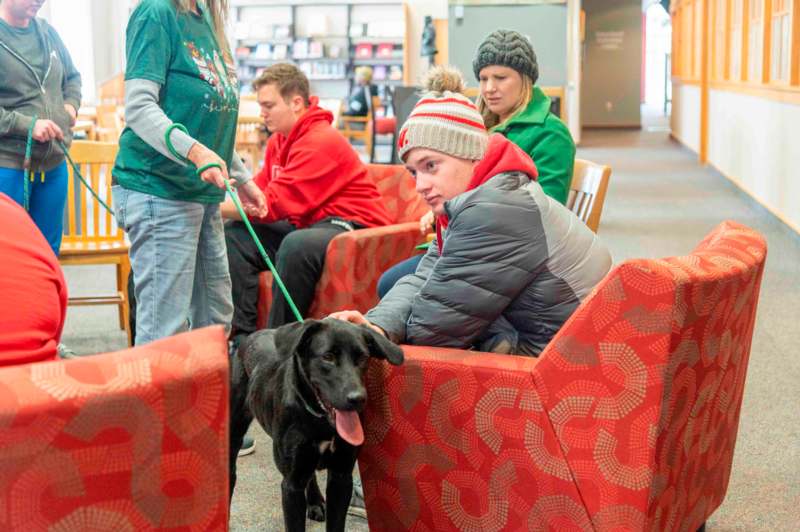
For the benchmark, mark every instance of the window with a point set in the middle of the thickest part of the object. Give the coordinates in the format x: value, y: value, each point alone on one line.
x: 755, y: 41
x: 719, y: 56
x: 737, y: 40
x: 780, y: 39
x: 697, y: 38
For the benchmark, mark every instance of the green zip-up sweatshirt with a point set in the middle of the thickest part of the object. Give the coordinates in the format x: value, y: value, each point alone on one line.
x: 25, y: 92
x: 547, y: 140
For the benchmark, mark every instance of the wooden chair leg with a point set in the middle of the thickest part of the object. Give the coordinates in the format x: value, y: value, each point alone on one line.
x: 123, y: 271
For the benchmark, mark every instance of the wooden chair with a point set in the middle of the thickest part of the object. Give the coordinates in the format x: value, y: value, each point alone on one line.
x: 92, y: 236
x: 251, y: 141
x: 112, y: 90
x: 588, y: 191
x: 109, y: 122
x: 360, y: 128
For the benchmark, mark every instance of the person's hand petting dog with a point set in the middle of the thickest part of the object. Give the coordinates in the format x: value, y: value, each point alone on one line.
x: 355, y: 317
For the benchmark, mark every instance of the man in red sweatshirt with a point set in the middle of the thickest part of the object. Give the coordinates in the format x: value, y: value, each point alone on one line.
x: 315, y: 187
x: 33, y: 293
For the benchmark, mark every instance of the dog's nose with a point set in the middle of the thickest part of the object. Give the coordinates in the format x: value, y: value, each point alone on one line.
x: 356, y: 399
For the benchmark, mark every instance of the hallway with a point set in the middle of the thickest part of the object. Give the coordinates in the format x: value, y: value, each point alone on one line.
x: 659, y: 203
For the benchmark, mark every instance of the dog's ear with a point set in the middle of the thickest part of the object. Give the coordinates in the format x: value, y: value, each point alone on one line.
x: 292, y: 338
x: 381, y: 347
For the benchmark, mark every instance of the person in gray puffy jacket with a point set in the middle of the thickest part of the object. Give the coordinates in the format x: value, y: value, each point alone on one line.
x: 509, y: 264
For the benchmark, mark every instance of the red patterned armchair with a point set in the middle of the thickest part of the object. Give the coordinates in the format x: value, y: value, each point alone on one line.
x: 134, y: 440
x: 627, y: 420
x: 355, y: 260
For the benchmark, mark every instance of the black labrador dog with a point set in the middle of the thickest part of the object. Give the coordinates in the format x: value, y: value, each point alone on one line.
x: 304, y: 383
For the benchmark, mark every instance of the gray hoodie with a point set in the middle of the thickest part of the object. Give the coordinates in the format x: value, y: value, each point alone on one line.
x: 24, y: 92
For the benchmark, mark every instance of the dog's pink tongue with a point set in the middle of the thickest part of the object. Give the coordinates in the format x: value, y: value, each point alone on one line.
x: 349, y: 427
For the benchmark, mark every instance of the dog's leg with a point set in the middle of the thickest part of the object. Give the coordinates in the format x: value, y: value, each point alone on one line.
x: 297, y: 463
x: 240, y: 416
x: 316, y: 504
x: 339, y: 489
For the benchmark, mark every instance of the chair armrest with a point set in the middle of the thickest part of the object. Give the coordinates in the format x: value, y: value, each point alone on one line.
x: 458, y: 440
x: 355, y: 261
x: 138, y: 437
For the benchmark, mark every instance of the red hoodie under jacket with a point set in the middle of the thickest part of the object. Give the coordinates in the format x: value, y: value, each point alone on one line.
x: 313, y: 173
x: 33, y: 294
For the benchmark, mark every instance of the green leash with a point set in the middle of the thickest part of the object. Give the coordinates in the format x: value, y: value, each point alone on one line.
x: 245, y: 219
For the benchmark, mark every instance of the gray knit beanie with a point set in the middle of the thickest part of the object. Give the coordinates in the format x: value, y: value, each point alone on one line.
x: 507, y: 48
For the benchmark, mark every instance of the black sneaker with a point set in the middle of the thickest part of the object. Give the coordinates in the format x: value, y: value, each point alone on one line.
x: 248, y: 446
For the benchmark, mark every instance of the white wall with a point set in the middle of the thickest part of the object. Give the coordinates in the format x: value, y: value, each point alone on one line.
x: 753, y: 141
x: 685, y: 121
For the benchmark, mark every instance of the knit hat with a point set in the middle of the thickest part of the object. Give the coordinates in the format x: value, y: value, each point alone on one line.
x: 507, y: 48
x: 444, y: 120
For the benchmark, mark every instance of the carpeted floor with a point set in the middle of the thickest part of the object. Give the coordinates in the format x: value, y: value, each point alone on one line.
x: 660, y: 202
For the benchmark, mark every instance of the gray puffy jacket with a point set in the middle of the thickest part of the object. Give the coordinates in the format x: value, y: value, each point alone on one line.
x: 514, y: 266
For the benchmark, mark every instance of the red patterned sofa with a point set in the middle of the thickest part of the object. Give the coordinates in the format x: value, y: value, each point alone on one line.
x: 355, y: 260
x: 133, y: 440
x: 627, y: 420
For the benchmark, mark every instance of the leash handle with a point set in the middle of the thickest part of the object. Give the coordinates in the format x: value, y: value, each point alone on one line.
x: 26, y: 166
x: 168, y: 141
x: 207, y: 166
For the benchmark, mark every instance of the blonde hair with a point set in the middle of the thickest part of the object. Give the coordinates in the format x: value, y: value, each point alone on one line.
x: 491, y: 119
x: 218, y: 10
x: 365, y: 73
x: 441, y: 78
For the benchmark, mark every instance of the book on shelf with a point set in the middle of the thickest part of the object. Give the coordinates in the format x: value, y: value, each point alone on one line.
x: 243, y: 52
x: 315, y: 49
x: 363, y: 51
x: 280, y: 51
x: 334, y: 51
x: 263, y: 51
x: 395, y: 73
x: 357, y: 29
x: 282, y: 31
x: 379, y: 72
x: 300, y: 49
x: 385, y: 51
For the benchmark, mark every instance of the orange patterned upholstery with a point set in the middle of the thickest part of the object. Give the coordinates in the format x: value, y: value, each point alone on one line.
x: 355, y: 260
x: 627, y: 420
x: 133, y: 440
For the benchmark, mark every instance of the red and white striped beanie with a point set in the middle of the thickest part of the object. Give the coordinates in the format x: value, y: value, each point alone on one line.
x: 445, y: 120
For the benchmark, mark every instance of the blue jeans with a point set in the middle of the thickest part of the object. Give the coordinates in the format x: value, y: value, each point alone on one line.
x: 393, y: 274
x: 179, y: 263
x: 47, y: 200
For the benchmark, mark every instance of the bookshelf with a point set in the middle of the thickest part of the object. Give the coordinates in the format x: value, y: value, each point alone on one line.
x: 327, y: 39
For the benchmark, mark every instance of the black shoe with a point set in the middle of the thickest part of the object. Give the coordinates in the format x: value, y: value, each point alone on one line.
x: 248, y: 446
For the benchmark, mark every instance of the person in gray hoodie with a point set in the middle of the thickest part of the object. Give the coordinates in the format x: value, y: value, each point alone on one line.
x: 38, y: 80
x: 509, y: 264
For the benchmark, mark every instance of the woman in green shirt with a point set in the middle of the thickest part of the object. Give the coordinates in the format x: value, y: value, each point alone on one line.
x: 181, y: 108
x: 511, y: 104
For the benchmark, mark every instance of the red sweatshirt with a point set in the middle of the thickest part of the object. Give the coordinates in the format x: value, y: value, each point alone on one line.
x: 33, y: 293
x: 313, y: 173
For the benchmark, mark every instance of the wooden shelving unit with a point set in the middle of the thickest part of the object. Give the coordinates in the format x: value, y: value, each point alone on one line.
x: 327, y: 39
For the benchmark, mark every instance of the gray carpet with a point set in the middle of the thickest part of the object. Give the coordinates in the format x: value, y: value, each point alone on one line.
x: 660, y: 203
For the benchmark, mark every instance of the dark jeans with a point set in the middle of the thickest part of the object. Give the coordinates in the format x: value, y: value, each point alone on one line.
x: 298, y: 255
x: 393, y: 274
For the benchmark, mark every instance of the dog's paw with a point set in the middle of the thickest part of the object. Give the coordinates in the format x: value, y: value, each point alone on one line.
x: 316, y: 512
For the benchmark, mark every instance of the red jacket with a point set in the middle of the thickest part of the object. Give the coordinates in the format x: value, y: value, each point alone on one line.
x: 314, y: 173
x: 33, y: 294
